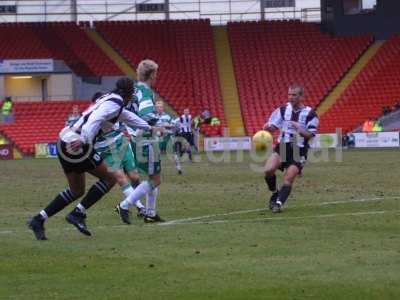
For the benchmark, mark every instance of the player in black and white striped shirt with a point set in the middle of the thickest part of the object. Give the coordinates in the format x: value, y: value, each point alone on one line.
x: 78, y: 156
x: 186, y: 130
x: 297, y: 123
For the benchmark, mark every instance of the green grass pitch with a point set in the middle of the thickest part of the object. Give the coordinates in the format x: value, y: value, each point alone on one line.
x: 338, y: 237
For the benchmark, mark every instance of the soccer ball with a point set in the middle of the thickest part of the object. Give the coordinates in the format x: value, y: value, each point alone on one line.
x: 262, y: 140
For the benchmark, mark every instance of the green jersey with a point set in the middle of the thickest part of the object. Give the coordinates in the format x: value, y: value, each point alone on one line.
x: 110, y: 141
x: 163, y: 119
x: 72, y: 119
x: 6, y: 108
x: 145, y: 99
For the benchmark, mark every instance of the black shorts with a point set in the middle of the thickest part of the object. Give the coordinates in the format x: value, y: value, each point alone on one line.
x: 178, y: 147
x: 291, y: 155
x: 189, y: 137
x: 86, y: 161
x: 178, y: 144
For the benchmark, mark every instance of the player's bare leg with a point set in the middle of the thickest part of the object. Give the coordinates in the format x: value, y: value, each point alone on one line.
x: 134, y: 178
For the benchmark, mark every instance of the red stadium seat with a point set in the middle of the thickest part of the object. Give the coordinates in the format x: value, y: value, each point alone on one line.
x: 38, y: 123
x: 57, y: 40
x: 269, y: 56
x: 188, y: 75
x: 376, y: 86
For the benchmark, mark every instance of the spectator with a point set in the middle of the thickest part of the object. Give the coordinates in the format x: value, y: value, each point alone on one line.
x: 6, y: 110
x: 215, y: 121
x: 351, y: 140
x: 377, y: 126
x: 197, y: 121
x: 72, y: 118
x: 368, y: 125
x: 386, y: 110
x: 345, y: 141
x: 206, y: 116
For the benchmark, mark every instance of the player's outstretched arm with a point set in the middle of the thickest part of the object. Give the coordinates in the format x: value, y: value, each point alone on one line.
x: 132, y: 120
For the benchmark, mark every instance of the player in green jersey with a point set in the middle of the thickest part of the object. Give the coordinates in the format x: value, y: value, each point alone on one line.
x: 164, y: 120
x: 114, y: 147
x: 147, y: 152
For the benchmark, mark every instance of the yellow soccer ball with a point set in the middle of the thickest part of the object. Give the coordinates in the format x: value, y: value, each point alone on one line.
x: 262, y: 140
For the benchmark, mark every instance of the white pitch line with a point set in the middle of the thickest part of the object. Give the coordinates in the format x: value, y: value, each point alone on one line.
x: 189, y: 220
x: 354, y: 201
x: 323, y: 216
x: 6, y: 232
x: 239, y: 212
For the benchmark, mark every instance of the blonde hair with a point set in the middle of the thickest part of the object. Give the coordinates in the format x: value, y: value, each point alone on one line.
x: 145, y: 69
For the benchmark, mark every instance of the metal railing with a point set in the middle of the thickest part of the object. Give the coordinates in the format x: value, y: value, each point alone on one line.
x: 38, y: 98
x: 218, y: 11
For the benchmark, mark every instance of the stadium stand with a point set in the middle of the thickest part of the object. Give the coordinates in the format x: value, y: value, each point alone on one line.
x: 15, y: 38
x: 375, y: 87
x: 267, y: 57
x: 184, y: 50
x: 38, y: 122
x: 58, y: 40
x: 270, y: 55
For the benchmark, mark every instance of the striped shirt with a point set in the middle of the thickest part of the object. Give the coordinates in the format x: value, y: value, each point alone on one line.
x: 143, y: 103
x: 164, y: 119
x: 144, y: 97
x: 281, y: 118
x: 100, y: 119
x: 186, y: 123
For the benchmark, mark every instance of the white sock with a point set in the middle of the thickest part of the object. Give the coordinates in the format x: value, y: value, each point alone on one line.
x: 139, y: 204
x: 177, y: 162
x: 141, y: 190
x: 151, y: 202
x: 44, y: 215
x: 81, y: 208
x: 127, y: 190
